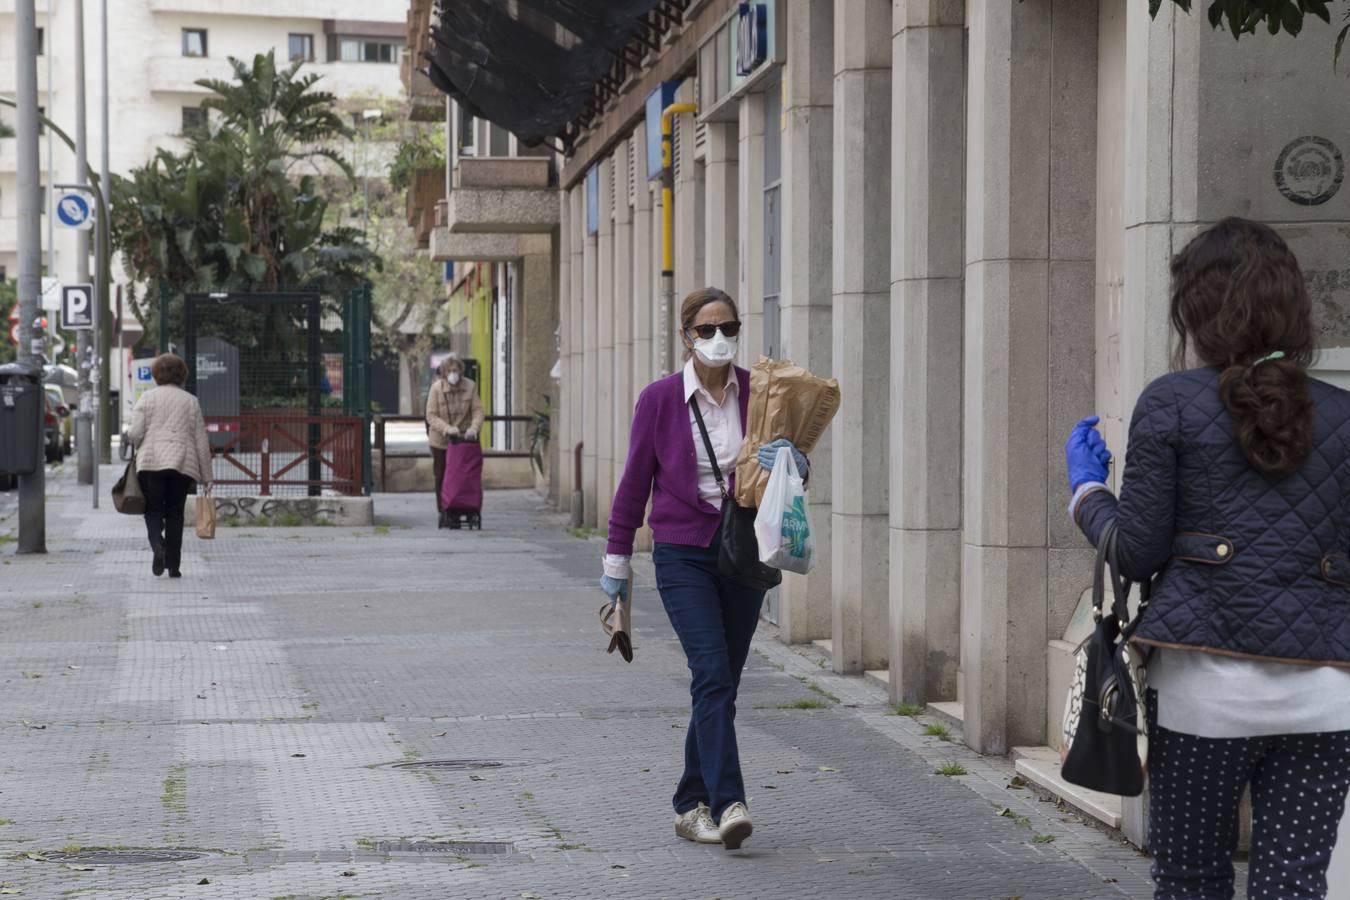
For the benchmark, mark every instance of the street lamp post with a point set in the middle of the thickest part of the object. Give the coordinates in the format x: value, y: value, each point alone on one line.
x: 368, y: 116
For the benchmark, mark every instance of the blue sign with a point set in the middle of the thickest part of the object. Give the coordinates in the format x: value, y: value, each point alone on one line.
x: 593, y: 200
x: 449, y: 272
x: 752, y: 45
x: 656, y: 104
x: 72, y: 210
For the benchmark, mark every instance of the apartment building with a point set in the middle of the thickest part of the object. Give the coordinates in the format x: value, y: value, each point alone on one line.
x: 159, y: 49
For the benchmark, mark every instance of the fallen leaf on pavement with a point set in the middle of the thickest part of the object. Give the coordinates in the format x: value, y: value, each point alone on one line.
x: 442, y: 734
x: 204, y: 881
x: 828, y: 769
x: 784, y: 771
x: 75, y: 868
x: 530, y: 895
x: 349, y: 874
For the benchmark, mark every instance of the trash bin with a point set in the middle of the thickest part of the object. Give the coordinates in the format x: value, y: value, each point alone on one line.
x: 21, y: 400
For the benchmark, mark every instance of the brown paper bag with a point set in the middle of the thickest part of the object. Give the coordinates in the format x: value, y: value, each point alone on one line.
x: 786, y: 401
x: 206, y: 516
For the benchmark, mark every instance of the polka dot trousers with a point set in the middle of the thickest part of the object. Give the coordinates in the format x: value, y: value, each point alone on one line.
x: 1298, y: 784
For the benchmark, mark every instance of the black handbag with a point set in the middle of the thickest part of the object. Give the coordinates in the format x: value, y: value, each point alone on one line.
x: 1104, y: 718
x: 738, y: 558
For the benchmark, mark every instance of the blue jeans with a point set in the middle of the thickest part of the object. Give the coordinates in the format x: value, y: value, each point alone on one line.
x: 715, y: 619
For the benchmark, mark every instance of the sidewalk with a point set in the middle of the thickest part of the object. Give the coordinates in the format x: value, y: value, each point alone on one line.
x: 263, y: 711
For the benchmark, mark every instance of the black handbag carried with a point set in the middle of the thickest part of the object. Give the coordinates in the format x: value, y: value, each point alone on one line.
x: 1104, y: 719
x: 738, y: 558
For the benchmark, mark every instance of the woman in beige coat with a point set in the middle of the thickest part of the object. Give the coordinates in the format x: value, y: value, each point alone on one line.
x: 172, y: 454
x: 454, y: 413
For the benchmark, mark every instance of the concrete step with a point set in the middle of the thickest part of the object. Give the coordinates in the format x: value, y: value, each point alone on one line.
x: 1040, y: 766
x: 879, y: 676
x: 949, y: 712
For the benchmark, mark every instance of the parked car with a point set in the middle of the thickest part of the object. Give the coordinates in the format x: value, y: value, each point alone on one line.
x: 55, y: 415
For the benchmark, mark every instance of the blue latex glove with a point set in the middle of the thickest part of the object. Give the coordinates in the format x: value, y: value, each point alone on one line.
x: 768, y: 455
x: 616, y: 589
x: 1086, y: 455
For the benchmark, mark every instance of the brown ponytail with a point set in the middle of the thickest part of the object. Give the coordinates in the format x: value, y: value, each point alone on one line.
x: 1238, y: 295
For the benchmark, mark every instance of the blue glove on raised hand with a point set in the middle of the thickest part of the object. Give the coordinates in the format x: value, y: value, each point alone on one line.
x: 616, y: 589
x: 1086, y: 455
x: 768, y: 455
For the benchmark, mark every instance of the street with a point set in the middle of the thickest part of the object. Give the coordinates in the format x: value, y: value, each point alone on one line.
x: 308, y: 708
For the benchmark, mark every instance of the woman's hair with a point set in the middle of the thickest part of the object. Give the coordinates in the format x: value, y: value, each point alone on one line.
x: 1237, y: 296
x: 450, y: 362
x: 169, y: 369
x: 695, y: 302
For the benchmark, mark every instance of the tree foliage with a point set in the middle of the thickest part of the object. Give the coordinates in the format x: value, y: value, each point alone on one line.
x: 242, y: 209
x: 1246, y: 16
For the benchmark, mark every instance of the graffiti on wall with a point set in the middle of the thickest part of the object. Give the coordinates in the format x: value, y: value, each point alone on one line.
x: 249, y: 510
x: 1330, y: 293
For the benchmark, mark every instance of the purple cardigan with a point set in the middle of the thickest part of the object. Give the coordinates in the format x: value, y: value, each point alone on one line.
x: 663, y: 465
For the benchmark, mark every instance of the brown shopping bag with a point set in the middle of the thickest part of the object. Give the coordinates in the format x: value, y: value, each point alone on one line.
x: 786, y: 401
x: 206, y: 516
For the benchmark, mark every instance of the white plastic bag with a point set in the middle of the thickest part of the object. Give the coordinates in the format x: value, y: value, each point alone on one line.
x: 782, y: 525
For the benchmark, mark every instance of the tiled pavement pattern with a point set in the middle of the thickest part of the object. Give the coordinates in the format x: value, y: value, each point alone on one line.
x: 255, y: 710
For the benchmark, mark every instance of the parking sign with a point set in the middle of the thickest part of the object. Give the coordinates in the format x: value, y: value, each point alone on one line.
x: 77, y: 307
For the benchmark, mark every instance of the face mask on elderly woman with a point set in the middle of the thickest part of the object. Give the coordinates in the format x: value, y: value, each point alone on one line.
x: 454, y: 376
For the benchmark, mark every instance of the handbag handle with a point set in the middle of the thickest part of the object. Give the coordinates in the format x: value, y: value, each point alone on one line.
x: 707, y: 445
x: 1120, y: 587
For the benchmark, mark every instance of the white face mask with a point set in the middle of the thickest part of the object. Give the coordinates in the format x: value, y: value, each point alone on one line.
x: 453, y: 377
x: 717, y: 351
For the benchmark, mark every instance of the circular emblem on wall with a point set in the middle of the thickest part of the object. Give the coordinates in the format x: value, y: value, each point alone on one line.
x: 1309, y: 171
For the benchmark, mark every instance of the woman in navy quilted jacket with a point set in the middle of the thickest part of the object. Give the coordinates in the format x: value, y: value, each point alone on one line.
x: 1236, y: 499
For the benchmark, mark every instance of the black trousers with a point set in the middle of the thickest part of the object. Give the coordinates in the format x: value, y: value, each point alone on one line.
x: 165, y: 493
x: 438, y: 472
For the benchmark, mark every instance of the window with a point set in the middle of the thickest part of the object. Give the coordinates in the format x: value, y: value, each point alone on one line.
x: 301, y: 47
x: 468, y: 132
x: 194, y: 41
x: 194, y: 119
x: 355, y: 49
x: 41, y: 41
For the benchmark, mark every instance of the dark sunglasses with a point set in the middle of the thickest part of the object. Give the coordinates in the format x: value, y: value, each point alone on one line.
x: 728, y: 329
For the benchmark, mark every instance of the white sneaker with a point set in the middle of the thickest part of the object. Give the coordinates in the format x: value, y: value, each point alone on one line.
x: 697, y: 825
x: 735, y: 826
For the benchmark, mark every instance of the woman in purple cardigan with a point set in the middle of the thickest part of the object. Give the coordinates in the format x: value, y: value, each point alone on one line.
x: 715, y: 617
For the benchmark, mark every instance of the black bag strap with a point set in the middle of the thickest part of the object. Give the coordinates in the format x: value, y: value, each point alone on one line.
x: 707, y: 445
x: 1120, y: 587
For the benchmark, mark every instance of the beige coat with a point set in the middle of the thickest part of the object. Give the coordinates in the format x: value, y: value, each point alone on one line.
x: 169, y: 432
x: 455, y: 406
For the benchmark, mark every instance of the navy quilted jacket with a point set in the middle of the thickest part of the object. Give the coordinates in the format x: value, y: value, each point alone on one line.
x: 1246, y: 564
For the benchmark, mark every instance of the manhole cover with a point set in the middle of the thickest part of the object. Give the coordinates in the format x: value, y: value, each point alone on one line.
x: 121, y: 857
x: 461, y: 848
x: 453, y: 764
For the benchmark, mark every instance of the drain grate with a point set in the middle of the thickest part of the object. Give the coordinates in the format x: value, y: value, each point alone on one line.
x: 121, y: 857
x: 455, y: 764
x: 460, y: 848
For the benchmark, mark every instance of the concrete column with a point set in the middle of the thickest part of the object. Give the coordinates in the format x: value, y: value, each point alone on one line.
x: 860, y: 542
x: 645, y: 266
x: 560, y: 474
x: 806, y: 301
x: 622, y: 410
x: 721, y: 231
x: 1003, y: 611
x: 749, y: 290
x: 604, y: 394
x: 927, y: 175
x: 536, y: 325
x: 576, y: 408
x: 591, y: 367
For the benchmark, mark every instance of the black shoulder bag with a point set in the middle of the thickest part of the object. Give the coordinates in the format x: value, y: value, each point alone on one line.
x: 739, y: 556
x: 1103, y: 716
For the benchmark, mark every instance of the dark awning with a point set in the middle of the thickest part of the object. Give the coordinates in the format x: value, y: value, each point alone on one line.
x: 531, y: 71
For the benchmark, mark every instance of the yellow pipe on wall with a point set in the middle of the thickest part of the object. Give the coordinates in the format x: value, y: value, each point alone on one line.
x: 668, y: 182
